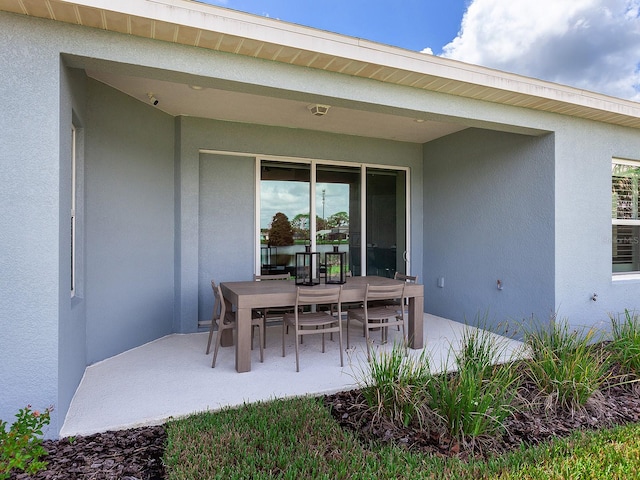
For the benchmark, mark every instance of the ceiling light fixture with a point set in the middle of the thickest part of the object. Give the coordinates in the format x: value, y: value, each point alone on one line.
x: 195, y: 87
x: 152, y: 99
x: 318, y: 110
x: 419, y: 120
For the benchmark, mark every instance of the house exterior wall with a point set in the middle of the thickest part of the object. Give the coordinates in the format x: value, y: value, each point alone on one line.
x: 72, y: 331
x: 30, y: 296
x: 489, y: 209
x: 129, y: 222
x: 583, y: 222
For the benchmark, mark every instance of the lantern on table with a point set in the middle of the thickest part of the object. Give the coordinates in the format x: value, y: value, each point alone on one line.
x: 335, y: 266
x: 307, y: 267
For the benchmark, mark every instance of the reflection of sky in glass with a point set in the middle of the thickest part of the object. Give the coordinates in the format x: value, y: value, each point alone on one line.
x: 292, y: 198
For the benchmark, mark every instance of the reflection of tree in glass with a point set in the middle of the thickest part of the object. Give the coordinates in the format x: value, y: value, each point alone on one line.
x: 300, y: 223
x: 338, y: 219
x: 280, y: 233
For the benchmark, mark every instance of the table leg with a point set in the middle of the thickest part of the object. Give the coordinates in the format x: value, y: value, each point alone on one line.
x: 243, y: 340
x: 416, y: 322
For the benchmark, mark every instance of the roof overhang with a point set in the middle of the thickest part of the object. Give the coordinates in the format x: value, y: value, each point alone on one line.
x: 195, y: 24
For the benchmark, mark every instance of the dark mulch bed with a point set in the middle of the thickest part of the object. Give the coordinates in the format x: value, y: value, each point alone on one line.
x: 134, y: 454
x: 617, y: 405
x: 137, y: 454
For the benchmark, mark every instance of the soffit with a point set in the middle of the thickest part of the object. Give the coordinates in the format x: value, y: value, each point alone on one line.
x: 205, y: 26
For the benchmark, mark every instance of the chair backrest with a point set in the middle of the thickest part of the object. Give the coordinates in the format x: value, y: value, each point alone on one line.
x: 313, y: 296
x: 384, y: 292
x: 406, y: 278
x: 279, y: 276
x: 219, y: 307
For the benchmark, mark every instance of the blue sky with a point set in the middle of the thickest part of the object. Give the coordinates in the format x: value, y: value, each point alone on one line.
x: 589, y: 44
x: 410, y: 24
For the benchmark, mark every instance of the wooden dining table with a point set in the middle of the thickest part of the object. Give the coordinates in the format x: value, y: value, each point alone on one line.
x: 245, y: 296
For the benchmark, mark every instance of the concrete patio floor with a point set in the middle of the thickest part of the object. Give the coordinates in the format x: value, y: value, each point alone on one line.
x: 172, y: 377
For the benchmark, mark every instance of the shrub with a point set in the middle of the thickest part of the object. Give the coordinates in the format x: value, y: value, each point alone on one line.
x: 625, y: 346
x: 564, y: 366
x: 20, y: 446
x: 395, y: 384
x: 475, y: 399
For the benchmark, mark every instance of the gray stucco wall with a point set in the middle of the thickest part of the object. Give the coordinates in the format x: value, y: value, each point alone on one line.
x: 129, y: 179
x: 489, y: 210
x: 29, y: 224
x: 72, y: 354
x: 225, y: 227
x: 583, y: 222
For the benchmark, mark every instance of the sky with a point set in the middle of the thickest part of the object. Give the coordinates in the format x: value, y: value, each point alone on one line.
x: 588, y: 44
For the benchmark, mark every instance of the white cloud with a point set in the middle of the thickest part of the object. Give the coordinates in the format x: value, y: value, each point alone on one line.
x: 589, y: 44
x: 427, y: 50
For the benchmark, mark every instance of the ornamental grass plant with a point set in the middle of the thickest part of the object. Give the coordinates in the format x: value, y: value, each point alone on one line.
x: 625, y: 345
x: 470, y: 402
x: 476, y: 398
x: 395, y: 384
x: 564, y: 365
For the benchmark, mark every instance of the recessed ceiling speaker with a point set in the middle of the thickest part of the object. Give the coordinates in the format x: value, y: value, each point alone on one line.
x: 318, y: 110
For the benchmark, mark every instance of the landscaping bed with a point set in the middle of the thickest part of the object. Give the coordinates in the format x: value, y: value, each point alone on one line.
x: 617, y: 405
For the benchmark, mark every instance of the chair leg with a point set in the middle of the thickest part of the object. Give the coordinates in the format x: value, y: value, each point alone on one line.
x: 261, y: 330
x: 213, y: 324
x: 264, y: 329
x: 283, y: 329
x: 215, y: 350
x: 366, y: 336
x: 297, y: 352
x: 340, y: 340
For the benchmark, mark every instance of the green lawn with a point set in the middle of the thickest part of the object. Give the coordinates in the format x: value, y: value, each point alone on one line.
x: 298, y: 438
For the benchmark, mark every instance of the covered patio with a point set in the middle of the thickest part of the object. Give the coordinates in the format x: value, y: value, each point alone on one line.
x: 172, y: 377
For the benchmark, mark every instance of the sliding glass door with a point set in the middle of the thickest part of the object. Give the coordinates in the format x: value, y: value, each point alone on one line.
x: 326, y: 206
x: 386, y: 222
x: 284, y: 215
x: 338, y: 213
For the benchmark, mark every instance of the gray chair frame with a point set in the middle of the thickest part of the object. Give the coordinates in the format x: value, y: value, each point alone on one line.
x: 372, y: 315
x: 314, y: 322
x: 272, y: 312
x: 225, y: 321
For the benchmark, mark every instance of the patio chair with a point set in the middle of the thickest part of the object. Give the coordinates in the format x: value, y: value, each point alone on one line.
x: 271, y: 313
x: 226, y: 321
x: 314, y: 322
x: 380, y: 316
x: 395, y: 304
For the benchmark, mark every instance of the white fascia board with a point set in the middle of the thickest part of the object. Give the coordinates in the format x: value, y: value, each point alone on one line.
x: 222, y: 20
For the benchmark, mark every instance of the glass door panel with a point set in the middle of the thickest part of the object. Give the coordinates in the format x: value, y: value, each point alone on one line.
x: 284, y: 215
x: 338, y: 216
x: 386, y: 222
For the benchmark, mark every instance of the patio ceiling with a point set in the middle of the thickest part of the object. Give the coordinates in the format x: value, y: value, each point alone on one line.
x: 205, y: 26
x: 182, y: 99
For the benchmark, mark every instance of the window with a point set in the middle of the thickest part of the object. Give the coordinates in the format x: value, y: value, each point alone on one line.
x: 625, y: 214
